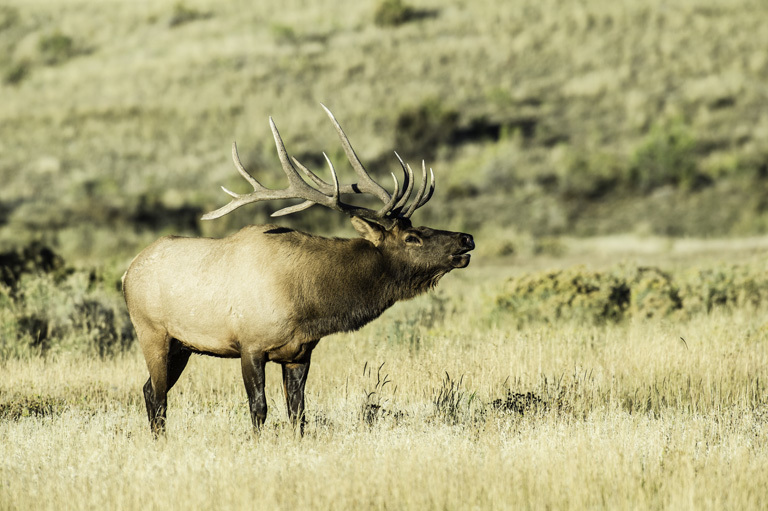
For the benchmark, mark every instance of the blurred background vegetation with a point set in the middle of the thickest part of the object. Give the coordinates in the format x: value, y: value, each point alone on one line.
x: 541, y: 118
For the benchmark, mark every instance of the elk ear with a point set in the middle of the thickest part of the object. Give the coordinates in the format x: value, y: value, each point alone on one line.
x: 371, y: 231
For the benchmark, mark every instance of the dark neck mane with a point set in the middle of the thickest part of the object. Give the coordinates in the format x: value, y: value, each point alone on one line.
x: 355, y: 284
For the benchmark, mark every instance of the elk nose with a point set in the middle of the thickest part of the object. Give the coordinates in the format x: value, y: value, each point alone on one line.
x: 467, y: 241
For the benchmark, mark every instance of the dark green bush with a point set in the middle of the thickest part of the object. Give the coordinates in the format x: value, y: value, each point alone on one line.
x: 9, y: 16
x: 100, y: 328
x: 34, y: 258
x: 16, y: 72
x: 592, y: 175
x: 667, y: 156
x: 421, y: 130
x: 184, y: 14
x: 390, y: 13
x: 47, y: 307
x: 56, y: 48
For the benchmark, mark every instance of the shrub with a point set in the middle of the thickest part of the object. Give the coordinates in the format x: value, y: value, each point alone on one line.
x: 727, y: 286
x: 591, y: 175
x: 34, y: 258
x: 391, y: 13
x: 284, y: 34
x: 16, y: 72
x: 576, y: 293
x: 518, y: 403
x: 422, y: 129
x: 667, y: 157
x: 56, y: 48
x: 46, y: 316
x: 47, y: 307
x: 99, y: 328
x: 183, y: 14
x: 642, y: 292
x: 9, y: 16
x: 654, y: 294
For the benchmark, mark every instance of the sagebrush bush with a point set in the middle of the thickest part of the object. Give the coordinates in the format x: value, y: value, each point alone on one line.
x: 16, y: 72
x: 390, y: 13
x: 9, y: 16
x: 637, y: 292
x: 56, y: 48
x: 727, y: 286
x: 422, y: 129
x: 48, y: 307
x: 182, y: 14
x: 653, y: 294
x: 591, y: 175
x: 566, y: 294
x: 667, y: 156
x: 76, y: 314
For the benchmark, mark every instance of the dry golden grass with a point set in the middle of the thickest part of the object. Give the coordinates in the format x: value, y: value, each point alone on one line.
x: 108, y: 105
x: 630, y: 417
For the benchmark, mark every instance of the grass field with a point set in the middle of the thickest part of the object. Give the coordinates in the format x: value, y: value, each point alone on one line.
x: 438, y: 405
x: 606, y: 349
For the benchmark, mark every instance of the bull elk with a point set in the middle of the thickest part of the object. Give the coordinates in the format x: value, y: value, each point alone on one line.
x: 269, y: 293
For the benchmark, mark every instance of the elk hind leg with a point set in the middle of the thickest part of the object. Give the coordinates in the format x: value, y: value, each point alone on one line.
x: 166, y: 363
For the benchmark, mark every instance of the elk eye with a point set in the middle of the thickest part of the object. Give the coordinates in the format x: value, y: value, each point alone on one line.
x: 412, y: 240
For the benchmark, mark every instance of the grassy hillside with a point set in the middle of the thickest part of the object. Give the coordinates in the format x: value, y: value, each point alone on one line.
x: 559, y: 117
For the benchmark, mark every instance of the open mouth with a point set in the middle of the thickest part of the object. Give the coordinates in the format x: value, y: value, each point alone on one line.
x: 461, y: 259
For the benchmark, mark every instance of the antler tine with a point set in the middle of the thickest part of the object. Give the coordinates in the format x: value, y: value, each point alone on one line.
x: 431, y: 190
x: 366, y: 184
x: 311, y: 175
x: 239, y: 165
x: 389, y: 206
x: 308, y: 203
x: 335, y: 178
x: 297, y: 187
x: 422, y: 196
x: 319, y: 182
x: 237, y: 199
x: 288, y: 168
x: 407, y: 183
x: 293, y: 209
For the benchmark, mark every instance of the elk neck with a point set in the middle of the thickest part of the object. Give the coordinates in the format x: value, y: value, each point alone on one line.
x: 339, y: 285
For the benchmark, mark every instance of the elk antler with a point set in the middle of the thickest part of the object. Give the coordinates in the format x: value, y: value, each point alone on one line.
x: 327, y: 194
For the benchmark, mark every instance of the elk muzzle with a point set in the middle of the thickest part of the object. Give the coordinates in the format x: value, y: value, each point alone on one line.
x: 460, y: 259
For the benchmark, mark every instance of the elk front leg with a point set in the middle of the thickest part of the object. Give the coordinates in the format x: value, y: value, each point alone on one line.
x: 253, y: 377
x: 294, y: 379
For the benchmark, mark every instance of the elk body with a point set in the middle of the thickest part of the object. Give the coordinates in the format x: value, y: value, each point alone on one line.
x: 269, y: 294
